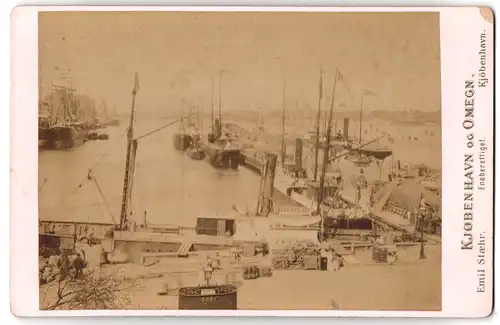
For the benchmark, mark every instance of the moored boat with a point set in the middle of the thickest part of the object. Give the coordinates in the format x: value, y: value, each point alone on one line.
x: 223, y: 154
x: 43, y: 131
x: 66, y: 136
x: 181, y: 141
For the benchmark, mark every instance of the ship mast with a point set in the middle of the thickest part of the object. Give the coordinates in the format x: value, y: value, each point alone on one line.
x: 220, y: 104
x: 40, y: 84
x: 131, y: 147
x: 318, y: 118
x: 361, y: 118
x: 327, y: 149
x: 212, y: 108
x: 283, y: 147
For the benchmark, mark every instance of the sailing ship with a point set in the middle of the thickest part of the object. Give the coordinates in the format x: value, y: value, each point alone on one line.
x: 68, y: 131
x: 188, y: 135
x: 372, y: 148
x: 306, y: 191
x: 44, y: 115
x: 220, y: 148
x: 44, y: 125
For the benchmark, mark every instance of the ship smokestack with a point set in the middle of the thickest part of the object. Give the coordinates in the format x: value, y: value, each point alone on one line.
x: 264, y: 205
x: 346, y: 128
x: 298, y: 153
x: 217, y: 129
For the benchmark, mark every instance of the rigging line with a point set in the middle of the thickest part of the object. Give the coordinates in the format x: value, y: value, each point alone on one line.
x: 64, y: 201
x: 102, y: 196
x: 80, y: 184
x: 354, y: 149
x: 161, y: 128
x: 106, y: 153
x: 98, y: 204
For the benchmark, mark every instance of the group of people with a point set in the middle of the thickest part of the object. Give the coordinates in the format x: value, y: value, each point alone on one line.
x: 59, y: 267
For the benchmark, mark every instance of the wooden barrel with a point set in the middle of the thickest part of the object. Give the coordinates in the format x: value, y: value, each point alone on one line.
x: 221, y: 297
x: 250, y: 272
x: 379, y: 255
x: 265, y: 272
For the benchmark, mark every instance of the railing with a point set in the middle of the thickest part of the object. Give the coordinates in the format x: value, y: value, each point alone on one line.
x: 292, y: 210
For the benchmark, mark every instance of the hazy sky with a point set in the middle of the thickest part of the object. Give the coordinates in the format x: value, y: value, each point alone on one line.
x: 176, y: 55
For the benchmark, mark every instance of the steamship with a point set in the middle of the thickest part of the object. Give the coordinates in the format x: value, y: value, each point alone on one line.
x: 221, y: 150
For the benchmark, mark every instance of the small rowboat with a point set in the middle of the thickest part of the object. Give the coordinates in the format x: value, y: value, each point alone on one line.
x: 195, y: 154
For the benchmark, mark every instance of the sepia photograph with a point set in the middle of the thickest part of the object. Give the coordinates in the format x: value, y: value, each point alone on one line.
x: 243, y: 160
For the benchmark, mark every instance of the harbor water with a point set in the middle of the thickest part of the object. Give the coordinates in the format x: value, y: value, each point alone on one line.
x: 170, y: 186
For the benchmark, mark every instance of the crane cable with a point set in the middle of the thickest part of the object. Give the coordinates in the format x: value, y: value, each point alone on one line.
x: 80, y: 184
x: 94, y: 179
x: 162, y: 127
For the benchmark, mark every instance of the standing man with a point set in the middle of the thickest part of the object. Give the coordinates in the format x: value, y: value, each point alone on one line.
x: 78, y: 265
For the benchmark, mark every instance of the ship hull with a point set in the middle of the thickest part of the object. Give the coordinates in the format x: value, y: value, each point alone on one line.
x: 43, y: 138
x: 182, y: 141
x: 42, y: 144
x: 64, y: 138
x: 224, y: 159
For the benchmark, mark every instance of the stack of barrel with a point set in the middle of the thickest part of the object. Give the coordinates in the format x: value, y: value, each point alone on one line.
x: 250, y: 272
x: 265, y: 272
x: 379, y: 254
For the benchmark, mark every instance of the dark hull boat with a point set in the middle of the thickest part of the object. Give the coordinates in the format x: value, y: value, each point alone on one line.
x: 63, y: 137
x: 222, y: 155
x: 43, y: 132
x: 226, y: 159
x: 43, y: 137
x: 222, y: 158
x: 380, y: 154
x: 182, y: 141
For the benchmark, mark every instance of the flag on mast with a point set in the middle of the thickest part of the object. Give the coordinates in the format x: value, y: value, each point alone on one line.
x: 136, y: 83
x: 340, y: 77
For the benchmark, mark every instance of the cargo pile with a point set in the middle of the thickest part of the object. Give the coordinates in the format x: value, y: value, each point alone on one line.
x: 293, y: 257
x: 252, y: 272
x: 48, y: 272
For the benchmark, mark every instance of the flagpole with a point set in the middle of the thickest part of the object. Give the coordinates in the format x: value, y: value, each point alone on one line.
x: 421, y: 221
x: 361, y: 117
x: 318, y: 118
x: 212, y: 108
x: 130, y: 140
